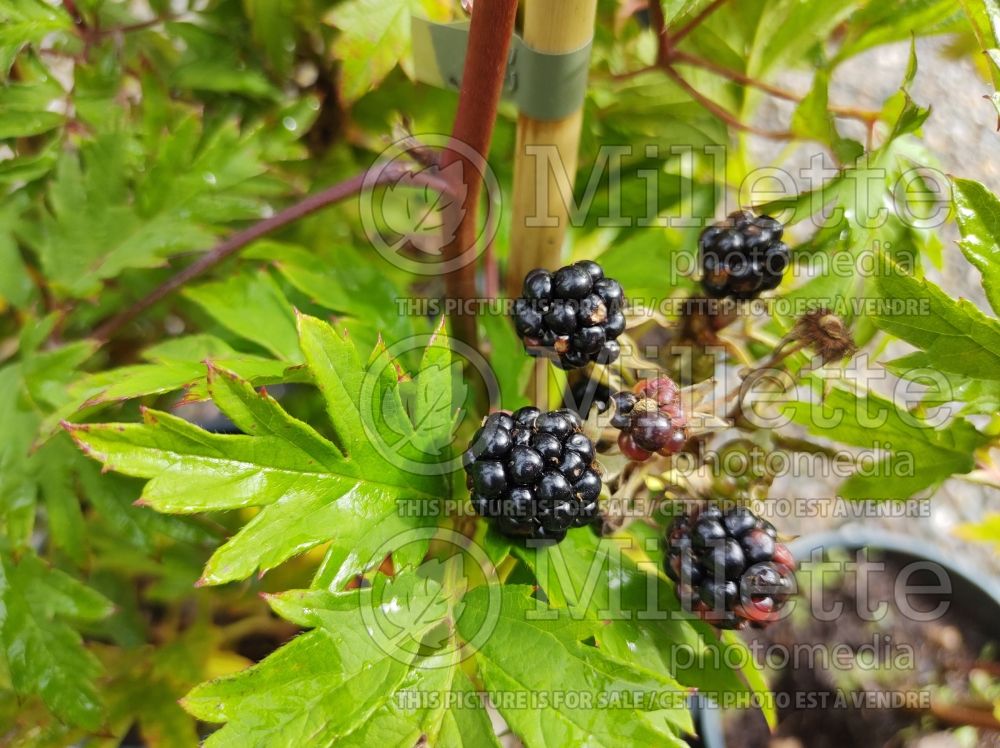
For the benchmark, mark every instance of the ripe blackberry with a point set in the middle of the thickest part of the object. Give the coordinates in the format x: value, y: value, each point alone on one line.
x: 533, y: 473
x: 728, y: 567
x: 742, y: 256
x: 573, y: 315
x: 651, y: 419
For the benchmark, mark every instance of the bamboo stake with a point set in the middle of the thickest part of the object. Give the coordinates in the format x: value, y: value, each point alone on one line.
x: 554, y: 26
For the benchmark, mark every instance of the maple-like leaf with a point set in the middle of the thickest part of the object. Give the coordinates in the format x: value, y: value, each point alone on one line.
x: 310, y: 490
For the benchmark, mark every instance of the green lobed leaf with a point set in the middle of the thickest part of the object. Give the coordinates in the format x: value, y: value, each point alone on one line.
x: 177, y: 364
x: 16, y: 286
x: 915, y: 455
x: 113, y: 497
x: 374, y: 38
x: 466, y: 724
x: 812, y: 118
x: 311, y: 491
x: 365, y: 408
x: 340, y: 279
x: 614, y: 580
x: 894, y: 21
x: 92, y: 232
x: 584, y: 696
x: 984, y: 16
x: 25, y: 22
x: 977, y: 211
x: 438, y: 394
x: 337, y: 684
x: 113, y: 205
x: 955, y: 336
x: 306, y: 502
x: 27, y: 107
x: 973, y: 395
x: 273, y: 26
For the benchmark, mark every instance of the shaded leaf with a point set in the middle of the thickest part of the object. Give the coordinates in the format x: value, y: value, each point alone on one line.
x: 272, y: 324
x: 374, y: 38
x: 42, y: 653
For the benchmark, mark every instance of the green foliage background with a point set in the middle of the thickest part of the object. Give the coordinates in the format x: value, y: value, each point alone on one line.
x: 132, y: 138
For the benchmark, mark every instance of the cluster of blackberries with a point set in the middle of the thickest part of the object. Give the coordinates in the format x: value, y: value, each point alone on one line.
x: 650, y: 418
x: 742, y: 256
x: 729, y: 567
x: 573, y: 315
x: 533, y: 473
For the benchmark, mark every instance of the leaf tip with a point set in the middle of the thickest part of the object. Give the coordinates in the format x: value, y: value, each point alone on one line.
x: 440, y: 329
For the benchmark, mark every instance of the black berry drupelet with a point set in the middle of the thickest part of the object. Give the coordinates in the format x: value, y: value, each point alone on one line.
x: 533, y: 473
x: 651, y: 419
x: 573, y: 315
x: 729, y: 567
x: 742, y: 256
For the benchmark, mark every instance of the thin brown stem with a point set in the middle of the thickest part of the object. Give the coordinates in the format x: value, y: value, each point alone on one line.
x: 664, y: 42
x: 233, y: 244
x: 83, y: 29
x: 482, y: 83
x: 781, y: 93
x: 960, y: 715
x: 695, y: 22
x: 787, y: 348
x: 870, y: 134
x: 137, y: 26
x: 721, y: 112
x: 628, y: 75
x: 75, y: 13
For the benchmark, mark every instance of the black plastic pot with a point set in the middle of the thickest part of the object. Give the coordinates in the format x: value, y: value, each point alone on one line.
x: 982, y: 591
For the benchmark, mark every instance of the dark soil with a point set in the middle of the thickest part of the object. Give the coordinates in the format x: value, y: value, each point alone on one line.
x: 928, y: 661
